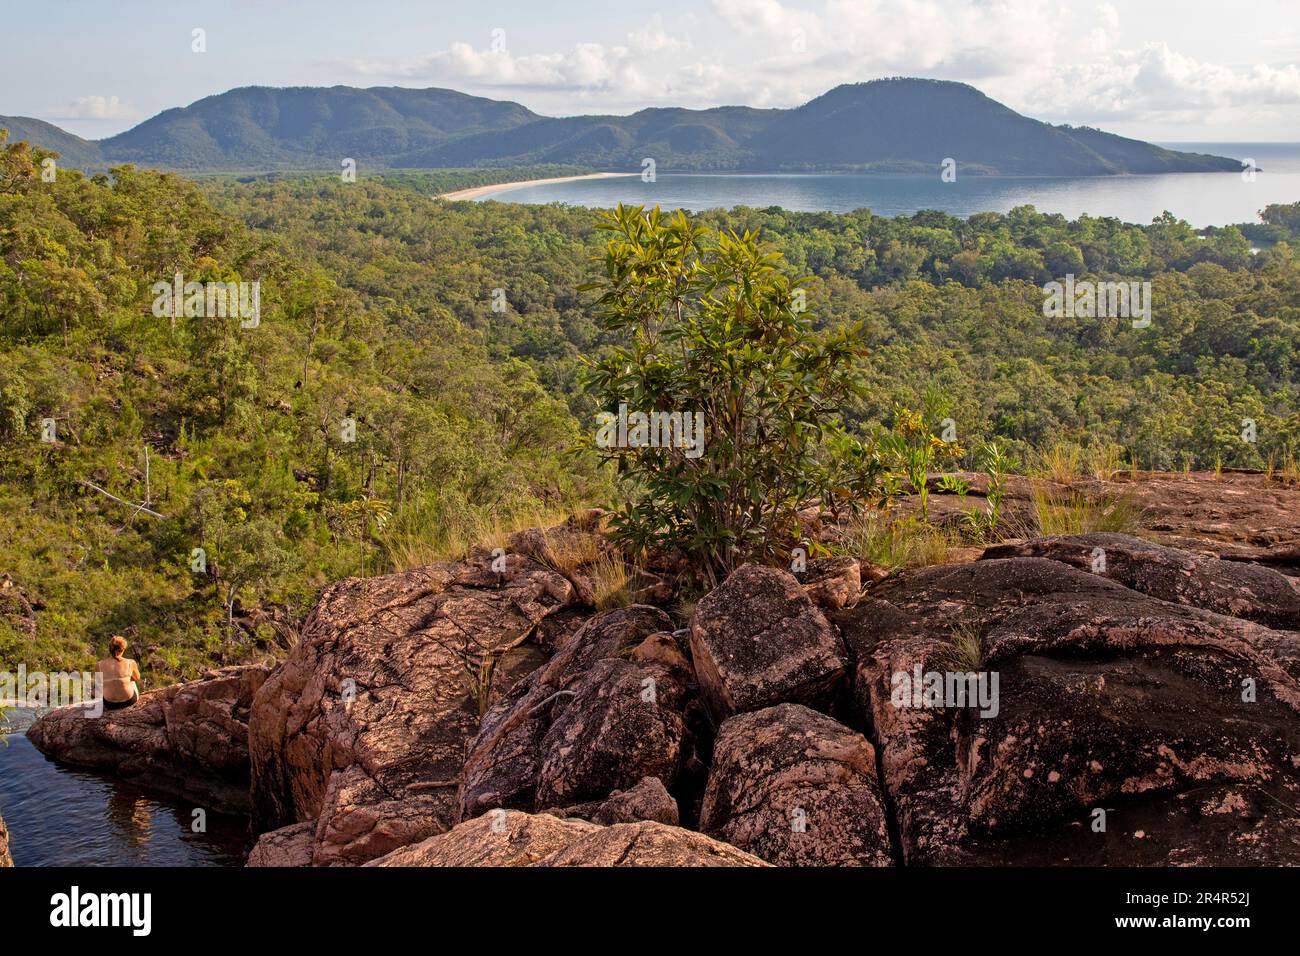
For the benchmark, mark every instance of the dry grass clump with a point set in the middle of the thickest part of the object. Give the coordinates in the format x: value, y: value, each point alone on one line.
x: 896, y: 542
x: 1070, y: 511
x: 609, y: 581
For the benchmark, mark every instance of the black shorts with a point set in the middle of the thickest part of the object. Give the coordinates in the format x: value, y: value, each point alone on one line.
x: 119, y: 705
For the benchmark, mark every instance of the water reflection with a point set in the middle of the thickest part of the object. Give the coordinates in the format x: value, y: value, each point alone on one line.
x: 131, y: 816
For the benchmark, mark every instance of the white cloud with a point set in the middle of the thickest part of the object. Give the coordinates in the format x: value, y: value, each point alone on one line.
x: 765, y: 15
x: 98, y: 108
x: 1152, y: 80
x: 1042, y: 57
x: 587, y: 66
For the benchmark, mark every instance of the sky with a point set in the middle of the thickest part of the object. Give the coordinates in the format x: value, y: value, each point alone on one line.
x: 1186, y: 71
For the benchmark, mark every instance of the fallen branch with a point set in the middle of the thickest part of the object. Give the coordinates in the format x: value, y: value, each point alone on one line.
x: 129, y: 504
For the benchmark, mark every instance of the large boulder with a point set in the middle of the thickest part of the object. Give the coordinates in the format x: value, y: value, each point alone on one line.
x: 363, y: 728
x: 189, y: 740
x: 511, y: 838
x: 1229, y: 587
x: 5, y: 858
x: 1121, y: 729
x: 605, y: 712
x: 796, y: 788
x: 758, y: 640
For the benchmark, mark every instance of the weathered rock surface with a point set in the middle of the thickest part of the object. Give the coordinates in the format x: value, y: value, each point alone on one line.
x: 1108, y: 699
x: 832, y: 583
x: 1236, y: 516
x: 288, y: 846
x: 758, y: 640
x: 605, y: 712
x: 364, y: 727
x: 1229, y: 587
x: 188, y: 739
x: 511, y: 838
x: 648, y: 800
x: 796, y: 788
x: 5, y: 858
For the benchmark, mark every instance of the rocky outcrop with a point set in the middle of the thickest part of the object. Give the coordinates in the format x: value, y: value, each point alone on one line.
x: 188, y: 739
x: 1034, y: 707
x: 363, y: 729
x: 758, y: 640
x: 1229, y: 587
x: 511, y: 838
x: 1122, y: 728
x: 5, y: 858
x: 606, y: 711
x: 796, y: 788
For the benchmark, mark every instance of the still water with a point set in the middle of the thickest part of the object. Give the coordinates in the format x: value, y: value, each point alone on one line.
x: 1202, y: 199
x: 60, y: 816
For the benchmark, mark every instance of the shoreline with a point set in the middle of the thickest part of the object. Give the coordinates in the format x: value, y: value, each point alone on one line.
x: 477, y: 192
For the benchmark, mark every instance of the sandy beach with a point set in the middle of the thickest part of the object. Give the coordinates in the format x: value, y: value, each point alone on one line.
x: 478, y: 192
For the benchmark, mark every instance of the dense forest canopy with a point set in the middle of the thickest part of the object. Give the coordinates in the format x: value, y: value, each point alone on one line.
x: 449, y: 336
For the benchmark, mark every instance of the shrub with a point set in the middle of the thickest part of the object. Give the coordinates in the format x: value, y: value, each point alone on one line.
x: 709, y: 325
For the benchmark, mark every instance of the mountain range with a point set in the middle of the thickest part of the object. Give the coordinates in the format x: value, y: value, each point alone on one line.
x: 891, y: 125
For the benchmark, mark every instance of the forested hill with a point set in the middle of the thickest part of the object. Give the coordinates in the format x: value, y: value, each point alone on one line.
x: 894, y: 125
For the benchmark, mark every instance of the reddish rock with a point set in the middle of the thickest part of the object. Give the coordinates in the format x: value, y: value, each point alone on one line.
x: 287, y: 847
x: 648, y: 800
x: 832, y: 583
x: 758, y: 640
x: 663, y: 648
x: 189, y: 739
x: 594, y: 720
x: 796, y: 788
x: 1228, y: 587
x: 5, y: 858
x: 1108, y: 699
x: 511, y: 838
x: 364, y: 727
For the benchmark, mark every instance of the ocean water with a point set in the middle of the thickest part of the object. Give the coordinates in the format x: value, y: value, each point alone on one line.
x: 62, y: 816
x: 1202, y: 199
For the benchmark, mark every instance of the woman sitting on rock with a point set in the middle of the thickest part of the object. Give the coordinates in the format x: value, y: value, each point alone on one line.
x: 121, y: 676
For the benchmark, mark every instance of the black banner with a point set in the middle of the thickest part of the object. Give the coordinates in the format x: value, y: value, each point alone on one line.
x: 343, y: 906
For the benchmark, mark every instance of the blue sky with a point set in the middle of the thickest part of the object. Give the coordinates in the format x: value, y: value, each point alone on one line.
x: 1196, y: 70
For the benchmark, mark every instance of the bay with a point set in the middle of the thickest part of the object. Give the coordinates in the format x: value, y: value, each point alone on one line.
x: 1202, y: 199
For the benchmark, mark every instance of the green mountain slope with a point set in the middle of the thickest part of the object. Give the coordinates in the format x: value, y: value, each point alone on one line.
x: 886, y: 125
x: 72, y: 150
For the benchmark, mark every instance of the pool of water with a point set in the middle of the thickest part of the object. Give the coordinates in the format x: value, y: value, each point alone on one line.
x: 62, y: 816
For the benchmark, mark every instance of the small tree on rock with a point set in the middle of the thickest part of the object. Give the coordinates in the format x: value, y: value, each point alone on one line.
x: 709, y: 325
